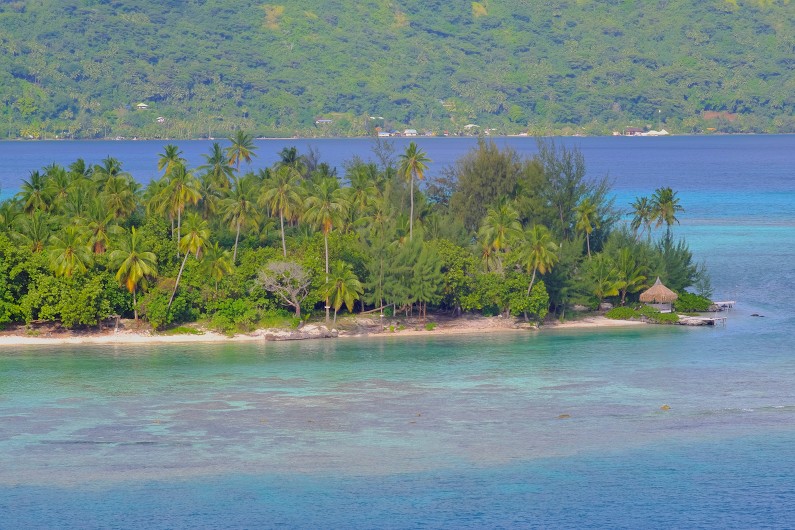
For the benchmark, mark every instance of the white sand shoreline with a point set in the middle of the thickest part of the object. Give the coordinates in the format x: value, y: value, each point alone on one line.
x: 463, y: 326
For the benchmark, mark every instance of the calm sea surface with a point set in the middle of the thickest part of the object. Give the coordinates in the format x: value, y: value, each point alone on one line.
x: 462, y: 432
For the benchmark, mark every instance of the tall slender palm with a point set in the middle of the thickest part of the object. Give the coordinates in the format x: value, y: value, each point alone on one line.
x: 665, y: 206
x: 69, y: 252
x: 342, y: 287
x: 197, y: 236
x: 641, y: 216
x: 587, y: 219
x: 281, y: 194
x: 136, y: 263
x: 325, y: 207
x: 413, y: 165
x: 539, y: 252
x: 181, y: 191
x: 217, y: 168
x: 239, y: 207
x: 211, y: 194
x: 242, y: 148
x: 169, y: 158
x: 217, y: 263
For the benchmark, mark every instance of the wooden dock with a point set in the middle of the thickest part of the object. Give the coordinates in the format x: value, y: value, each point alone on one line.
x: 727, y: 304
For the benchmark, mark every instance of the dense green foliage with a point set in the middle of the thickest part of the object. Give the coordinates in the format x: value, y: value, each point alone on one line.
x: 238, y: 249
x: 78, y: 68
x: 643, y: 312
x: 692, y: 303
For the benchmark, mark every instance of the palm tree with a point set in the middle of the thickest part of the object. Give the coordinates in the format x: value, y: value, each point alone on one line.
x: 99, y: 224
x: 665, y: 206
x: 110, y: 167
x: 289, y: 157
x: 119, y: 195
x: 324, y: 207
x: 217, y: 263
x: 211, y: 195
x: 630, y: 274
x: 539, y: 252
x: 136, y: 263
x: 217, y: 168
x: 242, y: 148
x: 602, y: 276
x: 641, y: 215
x: 587, y: 220
x: 58, y: 184
x: 170, y: 158
x: 33, y: 231
x: 69, y: 252
x: 239, y: 206
x: 413, y: 165
x: 33, y: 193
x: 281, y: 194
x: 181, y: 190
x: 362, y: 189
x: 9, y: 212
x: 197, y: 235
x: 343, y: 286
x: 500, y: 226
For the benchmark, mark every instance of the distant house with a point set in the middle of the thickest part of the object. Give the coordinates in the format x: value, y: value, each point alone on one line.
x: 141, y: 106
x: 161, y: 119
x: 410, y: 132
x: 384, y: 134
x: 633, y: 131
x: 323, y: 121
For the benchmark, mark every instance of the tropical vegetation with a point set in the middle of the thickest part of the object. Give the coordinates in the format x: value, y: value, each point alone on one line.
x: 235, y: 249
x: 187, y: 69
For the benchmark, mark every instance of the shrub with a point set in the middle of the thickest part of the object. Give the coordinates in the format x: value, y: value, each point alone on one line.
x: 666, y: 318
x: 622, y: 313
x: 430, y: 326
x: 690, y: 303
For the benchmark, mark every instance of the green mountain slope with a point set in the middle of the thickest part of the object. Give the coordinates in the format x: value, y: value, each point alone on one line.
x: 79, y: 67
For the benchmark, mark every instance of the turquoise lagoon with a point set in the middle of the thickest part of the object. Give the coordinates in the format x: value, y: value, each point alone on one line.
x: 523, y: 430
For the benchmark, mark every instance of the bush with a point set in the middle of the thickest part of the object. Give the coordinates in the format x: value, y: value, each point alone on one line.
x: 622, y: 313
x: 654, y: 315
x: 692, y: 303
x: 430, y: 326
x: 667, y: 318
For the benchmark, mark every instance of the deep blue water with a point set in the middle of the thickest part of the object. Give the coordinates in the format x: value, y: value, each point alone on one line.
x: 554, y: 429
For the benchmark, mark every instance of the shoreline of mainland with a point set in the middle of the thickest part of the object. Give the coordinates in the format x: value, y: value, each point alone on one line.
x: 447, y: 327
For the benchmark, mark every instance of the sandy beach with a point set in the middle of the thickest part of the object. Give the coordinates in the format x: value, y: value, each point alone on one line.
x: 355, y: 327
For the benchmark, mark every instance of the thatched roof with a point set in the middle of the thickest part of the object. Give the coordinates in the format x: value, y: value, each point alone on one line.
x: 658, y: 294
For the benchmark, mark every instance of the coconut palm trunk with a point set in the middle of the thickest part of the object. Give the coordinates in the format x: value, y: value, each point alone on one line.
x: 176, y: 284
x: 284, y: 244
x: 325, y: 238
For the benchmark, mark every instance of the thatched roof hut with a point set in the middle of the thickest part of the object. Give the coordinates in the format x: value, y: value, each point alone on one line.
x: 658, y: 294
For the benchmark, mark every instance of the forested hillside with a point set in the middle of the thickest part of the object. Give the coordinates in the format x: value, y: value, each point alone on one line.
x: 78, y: 68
